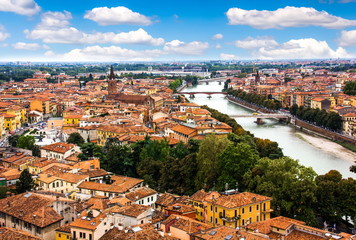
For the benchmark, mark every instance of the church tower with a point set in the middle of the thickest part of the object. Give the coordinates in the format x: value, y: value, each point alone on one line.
x: 112, y: 88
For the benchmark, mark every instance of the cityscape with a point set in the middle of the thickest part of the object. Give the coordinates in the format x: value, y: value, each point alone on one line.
x: 177, y: 120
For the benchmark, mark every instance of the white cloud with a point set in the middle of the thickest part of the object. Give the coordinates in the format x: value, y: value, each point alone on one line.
x: 112, y: 53
x: 191, y: 48
x: 55, y: 19
x: 307, y: 48
x: 348, y: 38
x: 117, y: 16
x: 347, y: 1
x: 225, y: 56
x: 3, y: 33
x: 27, y: 46
x: 49, y: 54
x: 286, y: 17
x: 217, y: 36
x: 217, y: 46
x: 22, y: 7
x: 251, y: 43
x: 54, y: 28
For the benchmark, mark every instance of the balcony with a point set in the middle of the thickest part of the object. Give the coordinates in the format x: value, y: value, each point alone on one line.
x: 267, y: 211
x: 229, y: 219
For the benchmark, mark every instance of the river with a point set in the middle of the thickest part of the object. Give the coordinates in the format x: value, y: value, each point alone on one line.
x: 287, y: 136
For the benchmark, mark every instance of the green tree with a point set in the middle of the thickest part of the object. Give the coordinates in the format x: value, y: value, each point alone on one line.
x: 327, y: 193
x: 268, y: 148
x: 234, y: 162
x: 149, y: 169
x: 26, y: 142
x: 350, y: 88
x: 118, y: 159
x: 25, y: 182
x: 89, y: 150
x: 290, y: 184
x: 207, y: 160
x: 36, y: 151
x: 75, y: 138
x: 13, y: 140
x: 157, y: 150
x: 347, y: 199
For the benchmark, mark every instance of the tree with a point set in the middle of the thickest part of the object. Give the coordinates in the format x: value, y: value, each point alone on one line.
x: 290, y: 184
x: 118, y: 159
x: 350, y: 88
x: 25, y: 182
x: 207, y: 160
x: 327, y: 193
x: 26, y: 142
x: 234, y: 162
x: 75, y: 138
x: 89, y: 150
x: 13, y: 140
x: 268, y: 148
x: 36, y: 151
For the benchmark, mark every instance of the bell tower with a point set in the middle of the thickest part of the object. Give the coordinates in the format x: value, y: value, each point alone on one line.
x: 112, y: 88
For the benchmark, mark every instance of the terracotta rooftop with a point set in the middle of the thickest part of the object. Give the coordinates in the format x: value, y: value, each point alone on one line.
x: 88, y: 222
x: 7, y: 233
x: 139, y: 232
x: 133, y: 210
x: 140, y: 193
x: 167, y: 199
x: 31, y: 208
x: 58, y: 147
x: 239, y: 199
x: 186, y: 224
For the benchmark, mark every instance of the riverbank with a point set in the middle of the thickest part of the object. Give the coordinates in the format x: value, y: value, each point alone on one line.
x: 328, y: 146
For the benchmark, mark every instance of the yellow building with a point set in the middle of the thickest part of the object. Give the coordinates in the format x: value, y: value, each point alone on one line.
x: 71, y: 121
x: 238, y: 209
x: 43, y: 105
x: 2, y: 125
x: 63, y: 233
x: 111, y: 131
x: 19, y: 114
x: 9, y: 122
x: 198, y: 201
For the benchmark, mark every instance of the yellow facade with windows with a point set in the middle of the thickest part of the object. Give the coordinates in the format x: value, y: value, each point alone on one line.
x: 63, y: 235
x: 9, y: 122
x: 236, y: 217
x: 238, y: 209
x: 2, y: 125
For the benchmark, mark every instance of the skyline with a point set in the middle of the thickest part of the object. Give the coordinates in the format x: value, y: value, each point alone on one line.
x: 156, y: 31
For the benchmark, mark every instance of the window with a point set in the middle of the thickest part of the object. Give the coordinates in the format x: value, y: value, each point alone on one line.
x: 243, y: 210
x: 243, y: 221
x: 211, y: 208
x: 235, y: 213
x: 257, y: 207
x: 59, y: 235
x: 90, y: 237
x: 250, y: 208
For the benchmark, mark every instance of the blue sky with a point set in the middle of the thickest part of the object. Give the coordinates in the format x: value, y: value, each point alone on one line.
x: 133, y: 30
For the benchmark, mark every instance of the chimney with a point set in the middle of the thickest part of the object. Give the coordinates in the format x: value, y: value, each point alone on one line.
x: 8, y: 203
x: 21, y: 213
